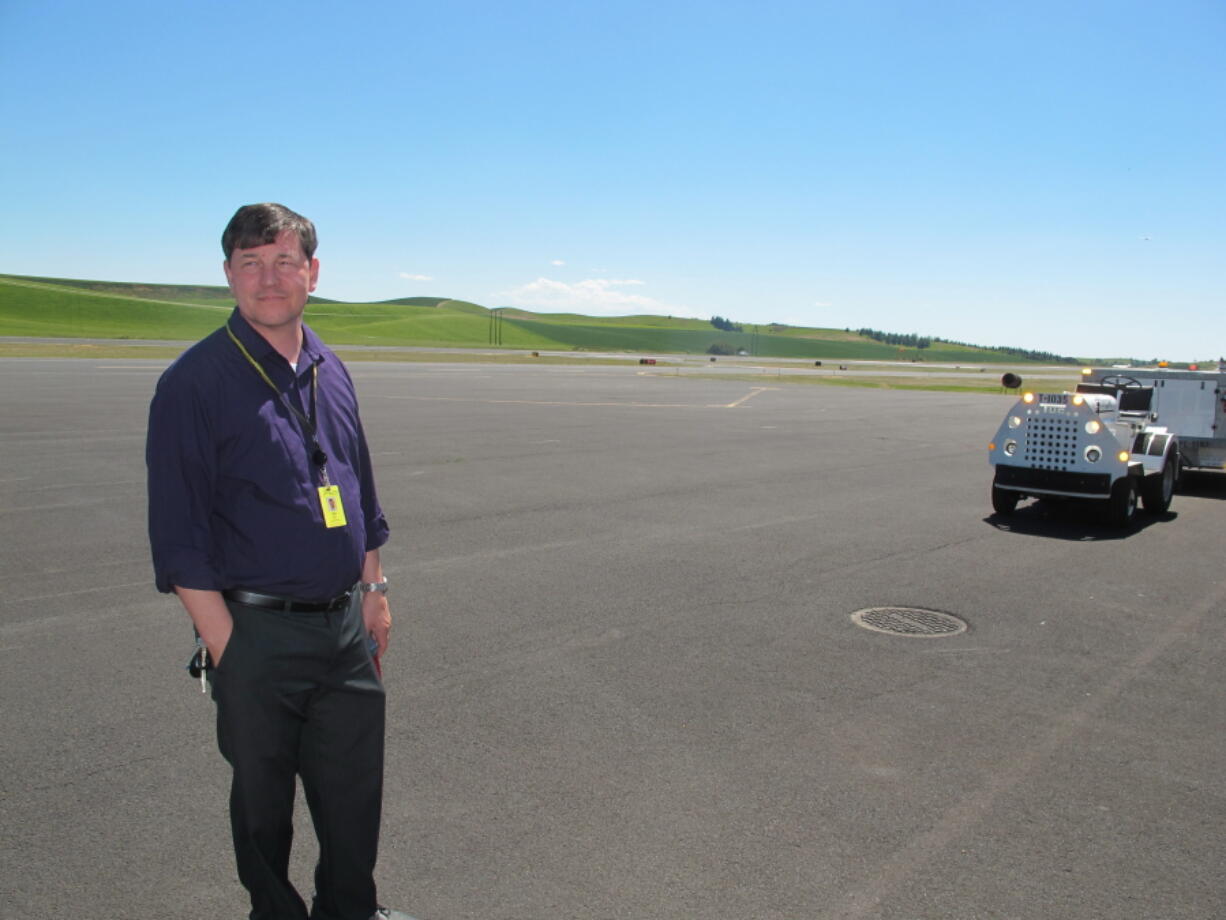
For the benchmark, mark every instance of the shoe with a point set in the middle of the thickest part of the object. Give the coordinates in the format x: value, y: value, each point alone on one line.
x: 383, y: 913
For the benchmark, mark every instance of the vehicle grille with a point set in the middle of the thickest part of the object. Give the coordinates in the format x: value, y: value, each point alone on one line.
x: 1050, y: 442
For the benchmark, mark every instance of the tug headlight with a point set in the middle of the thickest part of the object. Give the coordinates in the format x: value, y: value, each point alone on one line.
x: 1010, y: 447
x: 1015, y: 421
x: 1028, y: 398
x: 1078, y: 399
x: 1093, y: 454
x: 1094, y: 426
x: 1123, y: 456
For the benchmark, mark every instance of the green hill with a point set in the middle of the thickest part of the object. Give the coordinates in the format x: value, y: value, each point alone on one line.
x: 64, y: 308
x: 209, y: 295
x: 49, y: 308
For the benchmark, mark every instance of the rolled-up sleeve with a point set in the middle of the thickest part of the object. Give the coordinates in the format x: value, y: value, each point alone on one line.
x: 377, y: 530
x: 182, y: 474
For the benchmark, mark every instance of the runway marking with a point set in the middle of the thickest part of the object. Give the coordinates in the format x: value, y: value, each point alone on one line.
x: 357, y: 375
x: 85, y: 620
x: 44, y: 597
x: 82, y: 485
x: 587, y: 405
x: 31, y: 437
x: 546, y: 402
x: 960, y: 651
x: 58, y: 505
x: 971, y: 810
x: 746, y: 398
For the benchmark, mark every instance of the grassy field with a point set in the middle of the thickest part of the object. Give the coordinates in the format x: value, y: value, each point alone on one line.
x: 70, y: 309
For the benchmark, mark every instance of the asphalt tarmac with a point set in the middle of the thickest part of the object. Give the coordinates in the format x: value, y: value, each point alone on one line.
x: 625, y: 680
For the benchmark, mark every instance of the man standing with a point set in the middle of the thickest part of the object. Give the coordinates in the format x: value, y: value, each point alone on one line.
x: 263, y: 520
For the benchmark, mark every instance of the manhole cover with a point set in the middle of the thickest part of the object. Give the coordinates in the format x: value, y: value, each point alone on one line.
x: 915, y: 622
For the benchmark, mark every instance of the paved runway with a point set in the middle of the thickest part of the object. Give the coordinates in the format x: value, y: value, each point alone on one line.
x: 625, y: 681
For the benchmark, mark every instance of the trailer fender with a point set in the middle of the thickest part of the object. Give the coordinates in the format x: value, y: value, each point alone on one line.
x: 1157, y: 488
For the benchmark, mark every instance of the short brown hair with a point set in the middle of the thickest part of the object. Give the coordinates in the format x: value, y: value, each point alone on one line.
x: 260, y: 224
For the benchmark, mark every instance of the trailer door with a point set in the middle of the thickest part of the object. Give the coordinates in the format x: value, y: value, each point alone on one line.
x: 1189, y: 408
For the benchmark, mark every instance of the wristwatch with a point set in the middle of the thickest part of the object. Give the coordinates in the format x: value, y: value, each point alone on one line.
x: 367, y: 586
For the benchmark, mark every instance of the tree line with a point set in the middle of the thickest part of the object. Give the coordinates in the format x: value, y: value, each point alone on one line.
x: 1028, y: 354
x: 911, y: 340
x: 919, y: 342
x: 907, y: 340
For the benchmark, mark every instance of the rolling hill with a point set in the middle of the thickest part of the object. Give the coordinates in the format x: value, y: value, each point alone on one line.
x: 67, y: 308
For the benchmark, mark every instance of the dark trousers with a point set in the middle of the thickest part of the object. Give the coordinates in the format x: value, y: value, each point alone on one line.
x: 297, y: 695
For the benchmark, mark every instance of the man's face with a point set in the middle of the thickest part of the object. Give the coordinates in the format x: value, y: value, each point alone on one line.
x: 271, y: 283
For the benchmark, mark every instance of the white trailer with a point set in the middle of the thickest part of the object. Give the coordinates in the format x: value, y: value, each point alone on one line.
x: 1192, y: 404
x: 1124, y: 432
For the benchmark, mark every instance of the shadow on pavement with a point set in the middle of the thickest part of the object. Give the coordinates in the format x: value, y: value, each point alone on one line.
x: 1202, y: 484
x: 1070, y: 519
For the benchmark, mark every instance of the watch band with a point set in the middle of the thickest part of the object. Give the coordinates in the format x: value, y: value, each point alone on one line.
x: 368, y: 586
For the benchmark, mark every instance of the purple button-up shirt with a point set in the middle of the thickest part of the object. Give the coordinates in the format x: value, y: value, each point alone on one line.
x: 233, y: 491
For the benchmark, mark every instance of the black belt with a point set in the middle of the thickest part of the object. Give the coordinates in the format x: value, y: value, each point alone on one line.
x: 287, y: 604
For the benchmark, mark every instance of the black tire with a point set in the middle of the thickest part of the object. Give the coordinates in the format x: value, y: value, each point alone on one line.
x: 1158, y: 489
x: 1122, y: 505
x: 1004, y: 501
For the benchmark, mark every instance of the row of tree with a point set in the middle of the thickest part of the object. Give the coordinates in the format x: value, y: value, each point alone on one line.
x: 907, y: 340
x: 912, y: 340
x: 1028, y: 354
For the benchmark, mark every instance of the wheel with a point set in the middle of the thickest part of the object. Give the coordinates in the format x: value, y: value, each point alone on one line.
x: 1156, y: 490
x: 1122, y: 505
x: 1004, y: 501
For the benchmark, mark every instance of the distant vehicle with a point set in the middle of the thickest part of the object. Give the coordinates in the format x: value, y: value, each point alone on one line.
x: 1124, y: 433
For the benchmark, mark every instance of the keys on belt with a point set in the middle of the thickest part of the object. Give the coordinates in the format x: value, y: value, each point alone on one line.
x: 201, y: 663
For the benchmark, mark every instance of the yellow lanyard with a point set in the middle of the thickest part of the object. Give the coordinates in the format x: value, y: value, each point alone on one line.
x: 318, y: 457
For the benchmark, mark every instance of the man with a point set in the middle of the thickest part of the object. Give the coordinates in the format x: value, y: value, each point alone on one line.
x: 263, y: 520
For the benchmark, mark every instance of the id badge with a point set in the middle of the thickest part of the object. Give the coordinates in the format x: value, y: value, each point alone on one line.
x: 330, y: 503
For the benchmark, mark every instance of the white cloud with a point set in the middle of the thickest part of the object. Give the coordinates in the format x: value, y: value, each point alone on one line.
x: 557, y: 263
x: 594, y: 297
x: 410, y: 277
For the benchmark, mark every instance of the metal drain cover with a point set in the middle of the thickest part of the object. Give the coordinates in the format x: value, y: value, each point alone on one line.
x: 915, y: 622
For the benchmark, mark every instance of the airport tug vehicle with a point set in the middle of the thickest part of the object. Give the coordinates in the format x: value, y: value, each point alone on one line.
x: 1124, y: 433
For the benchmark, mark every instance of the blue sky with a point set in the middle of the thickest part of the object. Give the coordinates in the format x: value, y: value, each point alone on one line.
x: 1041, y: 174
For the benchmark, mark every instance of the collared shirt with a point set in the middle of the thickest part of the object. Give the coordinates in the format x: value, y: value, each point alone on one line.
x: 233, y: 490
